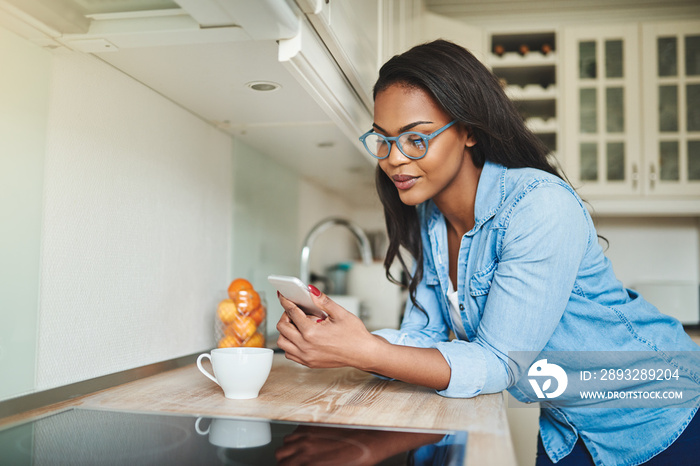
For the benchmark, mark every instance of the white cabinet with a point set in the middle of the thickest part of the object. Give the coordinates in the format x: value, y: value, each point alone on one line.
x: 351, y: 30
x: 602, y: 146
x: 527, y: 65
x: 632, y: 99
x: 362, y: 34
x: 671, y: 71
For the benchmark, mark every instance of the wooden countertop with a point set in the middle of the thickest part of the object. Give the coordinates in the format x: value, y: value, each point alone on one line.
x: 296, y: 393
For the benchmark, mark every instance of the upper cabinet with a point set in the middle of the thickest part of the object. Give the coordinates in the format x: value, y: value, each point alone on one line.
x: 351, y: 30
x: 671, y: 71
x: 603, y: 110
x: 362, y: 34
x: 632, y: 130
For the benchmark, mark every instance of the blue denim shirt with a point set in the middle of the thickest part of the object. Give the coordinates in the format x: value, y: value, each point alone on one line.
x: 533, y: 277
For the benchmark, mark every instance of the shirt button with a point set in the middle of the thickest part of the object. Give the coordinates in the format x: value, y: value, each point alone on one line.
x: 461, y: 307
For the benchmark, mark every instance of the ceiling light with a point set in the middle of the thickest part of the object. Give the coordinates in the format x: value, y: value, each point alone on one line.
x: 263, y: 86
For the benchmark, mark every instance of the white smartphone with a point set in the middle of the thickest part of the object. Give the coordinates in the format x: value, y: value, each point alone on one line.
x: 296, y: 291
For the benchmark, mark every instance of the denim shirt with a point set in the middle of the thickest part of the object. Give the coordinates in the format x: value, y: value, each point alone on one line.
x: 533, y: 277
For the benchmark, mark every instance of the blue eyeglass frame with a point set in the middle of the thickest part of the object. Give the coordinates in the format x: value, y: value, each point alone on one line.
x: 391, y: 140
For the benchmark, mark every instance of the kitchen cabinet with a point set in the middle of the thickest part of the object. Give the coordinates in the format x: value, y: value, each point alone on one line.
x: 603, y: 110
x: 351, y: 31
x: 633, y: 128
x: 527, y: 64
x: 671, y: 73
x: 362, y: 34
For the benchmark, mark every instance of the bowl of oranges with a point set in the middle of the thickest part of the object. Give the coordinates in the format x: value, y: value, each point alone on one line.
x: 241, y: 317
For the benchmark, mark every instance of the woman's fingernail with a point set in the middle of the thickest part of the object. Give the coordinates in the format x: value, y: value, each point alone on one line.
x: 319, y: 320
x: 314, y: 290
x: 279, y: 294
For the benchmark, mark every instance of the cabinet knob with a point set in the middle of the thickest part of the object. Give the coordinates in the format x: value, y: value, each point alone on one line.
x: 652, y: 175
x: 635, y: 175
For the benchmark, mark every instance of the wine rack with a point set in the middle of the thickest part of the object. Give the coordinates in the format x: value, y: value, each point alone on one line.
x: 526, y: 64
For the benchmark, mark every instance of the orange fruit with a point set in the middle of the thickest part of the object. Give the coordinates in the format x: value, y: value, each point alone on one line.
x: 257, y: 340
x: 242, y: 328
x: 246, y: 301
x: 227, y: 311
x: 229, y: 342
x: 239, y: 284
x: 258, y: 315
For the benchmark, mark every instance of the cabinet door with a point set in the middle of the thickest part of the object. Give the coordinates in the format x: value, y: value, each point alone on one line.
x: 601, y: 105
x: 351, y: 30
x: 671, y: 70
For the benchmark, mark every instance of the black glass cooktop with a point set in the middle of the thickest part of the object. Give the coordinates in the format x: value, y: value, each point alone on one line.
x: 95, y: 437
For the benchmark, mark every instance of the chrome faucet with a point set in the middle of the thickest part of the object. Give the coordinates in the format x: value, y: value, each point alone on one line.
x: 320, y: 227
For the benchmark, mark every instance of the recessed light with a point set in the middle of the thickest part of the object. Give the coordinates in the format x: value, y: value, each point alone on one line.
x: 263, y: 86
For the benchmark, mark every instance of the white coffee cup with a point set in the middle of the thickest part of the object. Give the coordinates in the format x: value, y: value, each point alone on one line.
x: 236, y: 433
x: 241, y: 372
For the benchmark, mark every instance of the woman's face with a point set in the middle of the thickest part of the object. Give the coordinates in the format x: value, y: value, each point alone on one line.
x: 400, y: 108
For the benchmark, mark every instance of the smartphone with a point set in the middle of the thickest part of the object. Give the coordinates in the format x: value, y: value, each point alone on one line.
x: 296, y: 291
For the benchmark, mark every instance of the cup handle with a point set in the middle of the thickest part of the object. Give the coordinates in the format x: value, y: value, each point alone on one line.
x: 200, y: 431
x: 203, y: 370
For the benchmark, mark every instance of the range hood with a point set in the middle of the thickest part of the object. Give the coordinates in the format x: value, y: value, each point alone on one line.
x: 206, y: 56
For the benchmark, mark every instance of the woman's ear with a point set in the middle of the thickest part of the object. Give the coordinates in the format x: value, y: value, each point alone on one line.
x: 471, y: 140
x: 467, y: 135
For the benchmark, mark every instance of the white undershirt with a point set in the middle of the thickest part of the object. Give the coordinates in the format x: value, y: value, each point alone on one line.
x: 454, y: 312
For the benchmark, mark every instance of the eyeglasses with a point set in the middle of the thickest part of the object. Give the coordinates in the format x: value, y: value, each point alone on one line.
x: 411, y: 144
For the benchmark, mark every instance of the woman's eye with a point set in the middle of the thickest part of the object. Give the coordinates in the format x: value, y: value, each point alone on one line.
x: 417, y: 142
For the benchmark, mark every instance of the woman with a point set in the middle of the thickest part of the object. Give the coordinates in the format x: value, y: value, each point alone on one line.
x: 508, y: 260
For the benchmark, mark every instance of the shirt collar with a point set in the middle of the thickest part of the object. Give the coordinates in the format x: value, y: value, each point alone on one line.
x: 490, y: 194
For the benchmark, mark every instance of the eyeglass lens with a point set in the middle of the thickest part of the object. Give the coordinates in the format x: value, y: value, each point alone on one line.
x: 412, y: 145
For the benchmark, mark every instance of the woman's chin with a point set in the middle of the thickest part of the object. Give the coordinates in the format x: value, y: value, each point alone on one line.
x: 410, y: 197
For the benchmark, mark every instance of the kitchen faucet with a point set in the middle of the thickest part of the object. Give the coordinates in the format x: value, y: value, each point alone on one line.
x: 323, y: 225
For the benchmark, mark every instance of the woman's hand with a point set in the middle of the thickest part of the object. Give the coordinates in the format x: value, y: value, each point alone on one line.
x: 340, y: 339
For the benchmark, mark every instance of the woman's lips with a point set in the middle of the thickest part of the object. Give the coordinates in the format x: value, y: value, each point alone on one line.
x: 404, y: 181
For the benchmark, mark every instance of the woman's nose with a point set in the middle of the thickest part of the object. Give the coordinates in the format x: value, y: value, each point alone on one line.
x: 396, y: 157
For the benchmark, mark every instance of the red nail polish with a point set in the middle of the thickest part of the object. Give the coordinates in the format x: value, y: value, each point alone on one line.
x: 319, y: 320
x: 315, y: 291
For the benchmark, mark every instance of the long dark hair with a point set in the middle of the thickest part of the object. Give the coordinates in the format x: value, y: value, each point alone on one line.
x: 469, y: 93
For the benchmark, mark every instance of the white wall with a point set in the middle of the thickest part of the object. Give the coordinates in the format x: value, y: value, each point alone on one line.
x: 136, y: 230
x: 652, y: 249
x: 24, y: 88
x: 336, y: 244
x: 265, y: 224
x: 441, y: 27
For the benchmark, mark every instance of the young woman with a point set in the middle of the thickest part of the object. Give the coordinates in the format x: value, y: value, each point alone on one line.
x: 507, y: 259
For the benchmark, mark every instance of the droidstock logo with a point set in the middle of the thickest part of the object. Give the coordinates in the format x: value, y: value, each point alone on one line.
x: 543, y: 370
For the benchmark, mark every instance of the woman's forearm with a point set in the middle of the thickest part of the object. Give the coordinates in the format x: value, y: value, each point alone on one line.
x: 419, y: 366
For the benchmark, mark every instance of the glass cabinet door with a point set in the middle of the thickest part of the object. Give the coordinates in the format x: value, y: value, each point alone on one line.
x: 602, y: 110
x: 671, y: 70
